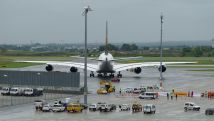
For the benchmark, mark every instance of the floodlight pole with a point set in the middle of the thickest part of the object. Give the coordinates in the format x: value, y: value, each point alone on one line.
x: 161, y: 48
x: 86, y: 9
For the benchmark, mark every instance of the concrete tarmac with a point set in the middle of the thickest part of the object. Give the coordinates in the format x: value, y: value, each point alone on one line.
x: 179, y: 79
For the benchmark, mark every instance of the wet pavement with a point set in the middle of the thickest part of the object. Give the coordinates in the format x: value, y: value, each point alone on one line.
x: 179, y: 79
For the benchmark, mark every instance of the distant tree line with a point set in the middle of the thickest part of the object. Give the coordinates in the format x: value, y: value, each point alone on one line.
x: 124, y: 47
x: 202, y: 51
x: 117, y: 50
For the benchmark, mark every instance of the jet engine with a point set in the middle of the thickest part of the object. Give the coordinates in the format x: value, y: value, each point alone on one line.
x: 163, y: 68
x: 73, y: 69
x: 49, y: 67
x: 137, y: 70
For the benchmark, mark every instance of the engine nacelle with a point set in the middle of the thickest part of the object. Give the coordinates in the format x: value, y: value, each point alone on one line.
x: 49, y: 67
x: 137, y: 70
x: 73, y: 69
x: 163, y: 68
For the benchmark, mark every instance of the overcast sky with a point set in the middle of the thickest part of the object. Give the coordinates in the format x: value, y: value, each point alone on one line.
x: 61, y: 21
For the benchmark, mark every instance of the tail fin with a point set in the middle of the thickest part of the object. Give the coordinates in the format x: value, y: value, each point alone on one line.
x: 106, y: 44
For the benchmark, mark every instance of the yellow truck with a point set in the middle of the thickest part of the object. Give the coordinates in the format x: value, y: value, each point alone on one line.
x: 107, y: 86
x: 102, y: 90
x: 74, y: 107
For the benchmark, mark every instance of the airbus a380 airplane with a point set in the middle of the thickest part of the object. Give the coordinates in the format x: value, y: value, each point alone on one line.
x: 106, y: 64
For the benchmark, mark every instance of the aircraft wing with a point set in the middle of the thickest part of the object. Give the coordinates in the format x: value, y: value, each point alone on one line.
x: 90, y: 67
x: 122, y: 67
x: 130, y: 58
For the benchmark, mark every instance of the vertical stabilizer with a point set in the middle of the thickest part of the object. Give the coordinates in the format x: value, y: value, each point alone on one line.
x: 106, y: 41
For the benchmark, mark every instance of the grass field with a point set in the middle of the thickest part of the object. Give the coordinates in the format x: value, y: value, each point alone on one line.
x: 199, y: 60
x: 203, y: 70
x: 8, y: 61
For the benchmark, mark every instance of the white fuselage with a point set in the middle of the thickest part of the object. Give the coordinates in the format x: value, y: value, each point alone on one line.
x: 105, y: 63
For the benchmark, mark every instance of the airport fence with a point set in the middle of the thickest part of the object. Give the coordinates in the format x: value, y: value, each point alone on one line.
x: 55, y: 85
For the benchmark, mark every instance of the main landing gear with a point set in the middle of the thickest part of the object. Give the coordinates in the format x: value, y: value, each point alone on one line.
x: 111, y: 75
x: 92, y: 74
x: 99, y: 75
x: 119, y: 75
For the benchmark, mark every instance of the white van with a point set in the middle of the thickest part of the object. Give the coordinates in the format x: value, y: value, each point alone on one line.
x: 5, y: 91
x: 33, y: 92
x: 149, y: 108
x: 148, y: 95
x: 16, y: 91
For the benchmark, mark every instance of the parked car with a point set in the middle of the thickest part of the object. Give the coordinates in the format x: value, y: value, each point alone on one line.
x: 46, y: 108
x: 57, y: 107
x: 209, y: 111
x: 106, y: 108
x: 93, y: 107
x: 149, y: 108
x: 113, y: 106
x: 74, y: 107
x: 191, y: 106
x: 5, y: 91
x: 136, y: 107
x: 124, y: 107
x: 148, y: 95
x: 99, y: 105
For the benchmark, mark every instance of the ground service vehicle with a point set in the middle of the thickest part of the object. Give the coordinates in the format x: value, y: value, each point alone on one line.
x: 57, y: 107
x: 33, y: 92
x: 209, y: 111
x: 115, y: 80
x: 74, y: 107
x: 46, y: 108
x: 93, y: 107
x: 181, y: 93
x: 102, y: 90
x: 124, y: 107
x: 136, y: 107
x: 210, y: 94
x: 148, y: 95
x: 17, y: 91
x: 111, y: 89
x: 39, y: 104
x: 149, y: 108
x: 129, y: 90
x: 107, y: 86
x: 191, y: 106
x: 5, y: 91
x: 139, y: 90
x: 106, y: 108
